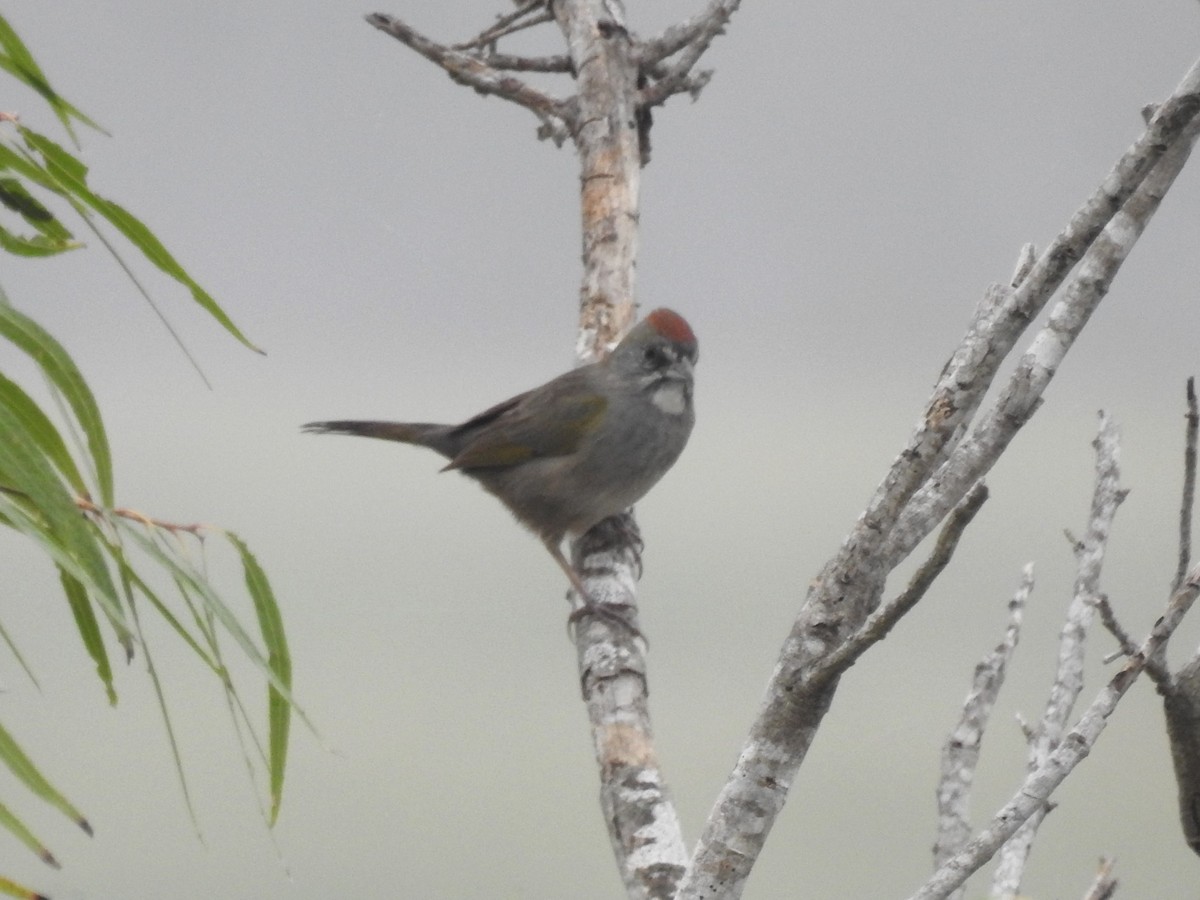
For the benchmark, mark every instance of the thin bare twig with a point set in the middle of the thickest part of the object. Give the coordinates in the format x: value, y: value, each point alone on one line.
x: 1188, y: 499
x: 469, y: 69
x: 133, y: 515
x: 1068, y: 677
x: 877, y: 626
x: 960, y: 754
x: 689, y: 39
x: 1155, y: 668
x: 510, y: 23
x: 1035, y: 791
x: 1105, y: 885
x: 696, y: 31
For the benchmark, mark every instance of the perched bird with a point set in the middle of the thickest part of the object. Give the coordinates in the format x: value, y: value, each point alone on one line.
x: 582, y: 447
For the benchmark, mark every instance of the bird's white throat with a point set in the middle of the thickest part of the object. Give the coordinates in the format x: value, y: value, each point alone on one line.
x: 670, y: 397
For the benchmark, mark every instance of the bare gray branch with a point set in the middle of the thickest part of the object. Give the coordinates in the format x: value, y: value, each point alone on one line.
x: 1068, y: 676
x: 960, y: 754
x: 1034, y: 793
x: 470, y: 70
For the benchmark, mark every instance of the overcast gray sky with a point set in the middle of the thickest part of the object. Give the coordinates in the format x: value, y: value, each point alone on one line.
x: 826, y: 217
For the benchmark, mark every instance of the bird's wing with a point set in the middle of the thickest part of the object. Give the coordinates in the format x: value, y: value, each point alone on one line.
x: 550, y: 421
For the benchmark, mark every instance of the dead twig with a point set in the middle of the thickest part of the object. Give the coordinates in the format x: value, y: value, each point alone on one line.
x: 960, y: 754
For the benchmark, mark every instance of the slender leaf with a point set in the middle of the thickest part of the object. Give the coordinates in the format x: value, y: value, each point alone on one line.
x: 270, y: 623
x: 89, y: 630
x: 52, y: 236
x: 22, y: 766
x: 32, y: 475
x: 200, y: 587
x: 22, y: 164
x: 64, y: 375
x: 12, y: 889
x: 41, y: 430
x: 37, y: 245
x: 26, y: 520
x: 15, y: 196
x: 171, y: 619
x: 18, y: 828
x: 16, y: 59
x: 71, y: 174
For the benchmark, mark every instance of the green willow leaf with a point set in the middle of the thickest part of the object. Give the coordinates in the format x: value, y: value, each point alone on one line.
x: 270, y: 623
x: 27, y: 168
x: 37, y: 245
x: 64, y: 375
x: 16, y: 197
x: 52, y: 236
x: 71, y: 174
x: 22, y: 766
x: 18, y: 829
x: 39, y: 427
x: 198, y: 586
x: 12, y: 889
x: 36, y: 502
x: 89, y: 630
x: 136, y: 581
x: 16, y: 59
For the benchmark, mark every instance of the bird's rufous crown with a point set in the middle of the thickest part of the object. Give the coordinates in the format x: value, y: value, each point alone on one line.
x: 672, y: 326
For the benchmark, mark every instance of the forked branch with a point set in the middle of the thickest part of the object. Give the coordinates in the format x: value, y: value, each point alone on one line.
x: 1034, y: 792
x: 557, y: 116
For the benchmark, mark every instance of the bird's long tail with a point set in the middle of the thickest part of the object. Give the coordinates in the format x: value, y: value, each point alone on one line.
x: 419, y: 433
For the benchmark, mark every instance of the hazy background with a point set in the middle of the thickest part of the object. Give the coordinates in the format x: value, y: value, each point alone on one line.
x: 826, y: 216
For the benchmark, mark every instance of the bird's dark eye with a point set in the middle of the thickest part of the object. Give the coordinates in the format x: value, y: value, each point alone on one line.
x: 655, y: 357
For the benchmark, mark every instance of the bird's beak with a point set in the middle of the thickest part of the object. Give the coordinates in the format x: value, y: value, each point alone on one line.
x: 682, y: 369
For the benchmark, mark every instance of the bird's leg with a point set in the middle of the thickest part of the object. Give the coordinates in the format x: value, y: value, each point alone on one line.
x: 605, y: 611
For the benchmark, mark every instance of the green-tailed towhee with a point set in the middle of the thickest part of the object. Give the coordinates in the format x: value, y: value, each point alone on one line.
x: 583, y: 447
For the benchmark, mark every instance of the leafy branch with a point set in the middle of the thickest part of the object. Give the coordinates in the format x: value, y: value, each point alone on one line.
x: 56, y: 479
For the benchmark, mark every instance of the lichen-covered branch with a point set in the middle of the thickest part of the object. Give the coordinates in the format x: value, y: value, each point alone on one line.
x: 960, y: 754
x: 1068, y: 676
x: 642, y: 823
